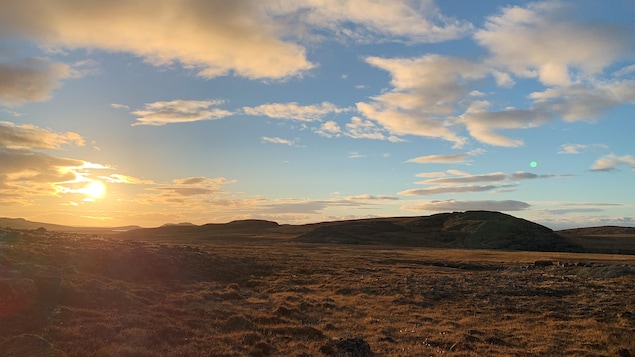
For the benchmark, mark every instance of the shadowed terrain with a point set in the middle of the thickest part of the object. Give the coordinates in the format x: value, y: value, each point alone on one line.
x: 256, y: 288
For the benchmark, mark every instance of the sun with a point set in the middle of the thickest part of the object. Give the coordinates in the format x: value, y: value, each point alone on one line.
x: 95, y: 189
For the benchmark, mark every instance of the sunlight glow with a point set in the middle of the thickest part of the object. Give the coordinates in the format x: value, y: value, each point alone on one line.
x: 95, y: 189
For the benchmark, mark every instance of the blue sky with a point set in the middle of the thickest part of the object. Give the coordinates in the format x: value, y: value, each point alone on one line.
x: 136, y: 112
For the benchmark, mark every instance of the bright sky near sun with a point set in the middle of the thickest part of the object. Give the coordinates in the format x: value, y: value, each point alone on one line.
x: 148, y: 112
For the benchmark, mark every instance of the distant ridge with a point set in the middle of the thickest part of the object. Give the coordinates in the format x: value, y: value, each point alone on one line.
x: 21, y: 223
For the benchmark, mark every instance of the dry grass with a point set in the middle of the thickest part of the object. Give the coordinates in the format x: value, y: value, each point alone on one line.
x: 268, y: 298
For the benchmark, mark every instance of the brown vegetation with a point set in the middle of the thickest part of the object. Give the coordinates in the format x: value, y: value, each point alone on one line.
x: 90, y: 296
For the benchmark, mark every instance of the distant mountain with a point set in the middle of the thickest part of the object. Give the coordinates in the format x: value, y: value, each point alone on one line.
x: 20, y: 223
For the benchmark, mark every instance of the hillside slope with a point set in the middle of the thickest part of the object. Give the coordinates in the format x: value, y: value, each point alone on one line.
x: 471, y: 229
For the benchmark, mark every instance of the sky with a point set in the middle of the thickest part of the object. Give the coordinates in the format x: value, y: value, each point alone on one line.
x: 140, y: 112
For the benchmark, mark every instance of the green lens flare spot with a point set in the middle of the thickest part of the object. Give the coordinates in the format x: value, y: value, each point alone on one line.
x: 533, y: 164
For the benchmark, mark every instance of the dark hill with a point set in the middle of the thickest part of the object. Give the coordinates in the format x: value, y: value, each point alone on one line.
x: 471, y: 229
x: 604, y: 239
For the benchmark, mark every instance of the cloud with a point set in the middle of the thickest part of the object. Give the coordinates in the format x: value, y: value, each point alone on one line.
x: 425, y: 93
x: 611, y: 162
x: 294, y: 111
x: 543, y: 41
x: 575, y: 148
x: 179, y: 111
x: 437, y: 190
x: 372, y: 21
x: 491, y: 177
x: 131, y: 180
x: 585, y: 101
x: 119, y: 106
x: 454, y: 205
x: 446, y: 159
x: 482, y: 124
x: 463, y: 182
x: 28, y: 175
x: 355, y: 155
x: 186, y: 193
x: 366, y: 129
x: 329, y: 129
x: 268, y: 140
x: 212, y: 37
x: 26, y: 80
x: 372, y: 197
x: 28, y: 136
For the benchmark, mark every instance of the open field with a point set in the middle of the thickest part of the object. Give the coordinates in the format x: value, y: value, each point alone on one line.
x: 92, y: 296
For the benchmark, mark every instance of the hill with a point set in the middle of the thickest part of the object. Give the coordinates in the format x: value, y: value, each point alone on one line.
x: 471, y: 229
x: 21, y: 223
x: 603, y: 239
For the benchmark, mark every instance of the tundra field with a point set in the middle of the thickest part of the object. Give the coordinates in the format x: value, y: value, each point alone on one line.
x: 65, y: 294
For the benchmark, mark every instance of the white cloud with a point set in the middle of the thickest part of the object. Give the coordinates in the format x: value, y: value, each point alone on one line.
x: 119, y: 106
x: 611, y: 162
x: 575, y: 148
x: 483, y: 124
x: 365, y: 129
x: 446, y: 159
x: 355, y: 155
x: 542, y: 40
x: 268, y: 140
x: 329, y: 129
x: 425, y: 92
x: 588, y: 101
x: 294, y: 111
x: 179, y: 111
x: 212, y: 37
x: 455, y: 205
x: 29, y: 79
x: 373, y: 21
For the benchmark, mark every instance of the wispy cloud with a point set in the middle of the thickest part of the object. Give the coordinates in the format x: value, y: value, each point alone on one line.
x: 28, y: 136
x: 611, y: 162
x: 295, y: 111
x: 457, y: 205
x: 373, y: 21
x: 268, y: 140
x: 575, y: 148
x: 437, y: 190
x: 179, y: 111
x: 446, y: 159
x: 372, y: 197
x: 463, y: 182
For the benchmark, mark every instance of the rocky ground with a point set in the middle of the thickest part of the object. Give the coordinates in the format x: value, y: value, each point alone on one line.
x: 76, y: 295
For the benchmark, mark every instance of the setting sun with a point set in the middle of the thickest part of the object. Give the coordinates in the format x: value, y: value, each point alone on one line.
x: 95, y: 189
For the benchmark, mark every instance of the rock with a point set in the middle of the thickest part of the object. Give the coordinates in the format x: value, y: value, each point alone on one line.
x: 353, y: 347
x: 28, y: 346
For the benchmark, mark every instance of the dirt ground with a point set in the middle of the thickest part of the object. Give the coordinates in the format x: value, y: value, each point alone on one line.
x: 90, y: 296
